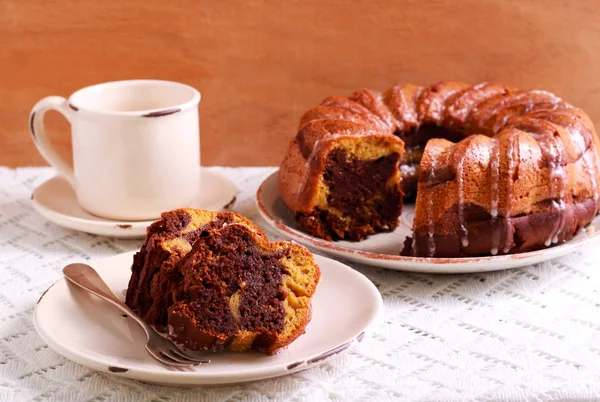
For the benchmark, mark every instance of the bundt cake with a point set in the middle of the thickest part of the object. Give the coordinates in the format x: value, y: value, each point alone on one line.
x: 212, y: 281
x: 495, y: 169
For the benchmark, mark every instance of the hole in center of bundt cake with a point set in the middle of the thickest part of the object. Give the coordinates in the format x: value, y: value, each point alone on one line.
x: 362, y: 197
x: 229, y: 285
x: 414, y: 145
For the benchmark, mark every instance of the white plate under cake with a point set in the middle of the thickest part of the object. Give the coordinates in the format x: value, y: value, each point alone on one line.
x: 93, y: 333
x: 383, y: 249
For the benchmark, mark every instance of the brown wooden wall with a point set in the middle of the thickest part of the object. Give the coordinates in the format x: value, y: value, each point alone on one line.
x: 260, y: 64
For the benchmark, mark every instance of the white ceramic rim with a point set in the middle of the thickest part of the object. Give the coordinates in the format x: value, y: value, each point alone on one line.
x: 116, y: 229
x: 388, y: 260
x: 120, y: 228
x: 192, y: 102
x: 191, y: 378
x: 66, y: 220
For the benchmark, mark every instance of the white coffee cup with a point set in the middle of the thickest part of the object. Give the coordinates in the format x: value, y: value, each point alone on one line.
x: 136, y: 146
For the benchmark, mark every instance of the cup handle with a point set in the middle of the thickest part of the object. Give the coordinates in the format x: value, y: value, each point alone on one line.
x: 40, y: 139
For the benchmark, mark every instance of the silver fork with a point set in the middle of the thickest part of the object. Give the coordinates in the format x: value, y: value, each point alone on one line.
x: 160, y: 348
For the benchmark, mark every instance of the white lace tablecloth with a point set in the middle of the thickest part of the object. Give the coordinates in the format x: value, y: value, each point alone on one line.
x: 524, y: 334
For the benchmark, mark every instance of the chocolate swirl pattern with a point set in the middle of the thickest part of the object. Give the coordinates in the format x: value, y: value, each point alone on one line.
x: 212, y: 281
x: 500, y: 170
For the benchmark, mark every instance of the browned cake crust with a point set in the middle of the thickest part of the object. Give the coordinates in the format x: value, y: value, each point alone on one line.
x: 230, y: 290
x: 500, y: 170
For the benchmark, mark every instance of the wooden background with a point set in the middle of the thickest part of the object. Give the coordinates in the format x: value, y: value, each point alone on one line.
x: 259, y: 65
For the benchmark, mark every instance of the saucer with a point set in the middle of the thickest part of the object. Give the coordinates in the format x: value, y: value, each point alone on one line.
x: 383, y: 249
x: 55, y: 200
x: 93, y: 333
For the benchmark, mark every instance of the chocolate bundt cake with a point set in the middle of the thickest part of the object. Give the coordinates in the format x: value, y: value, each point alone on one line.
x: 495, y: 169
x: 212, y: 281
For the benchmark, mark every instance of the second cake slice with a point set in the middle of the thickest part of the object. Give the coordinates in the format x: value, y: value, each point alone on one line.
x: 231, y: 290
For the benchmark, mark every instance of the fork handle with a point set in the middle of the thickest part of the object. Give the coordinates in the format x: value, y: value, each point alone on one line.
x: 87, y: 278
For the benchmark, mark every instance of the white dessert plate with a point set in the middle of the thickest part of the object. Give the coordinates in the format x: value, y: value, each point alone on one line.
x: 55, y: 200
x: 383, y: 249
x: 91, y: 332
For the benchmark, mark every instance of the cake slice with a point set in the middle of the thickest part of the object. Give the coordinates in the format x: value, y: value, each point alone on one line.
x: 214, y: 282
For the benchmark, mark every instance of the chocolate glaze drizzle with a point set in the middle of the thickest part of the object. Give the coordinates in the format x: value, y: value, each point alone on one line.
x: 494, y: 192
x: 512, y: 166
x: 464, y: 234
x: 430, y: 223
